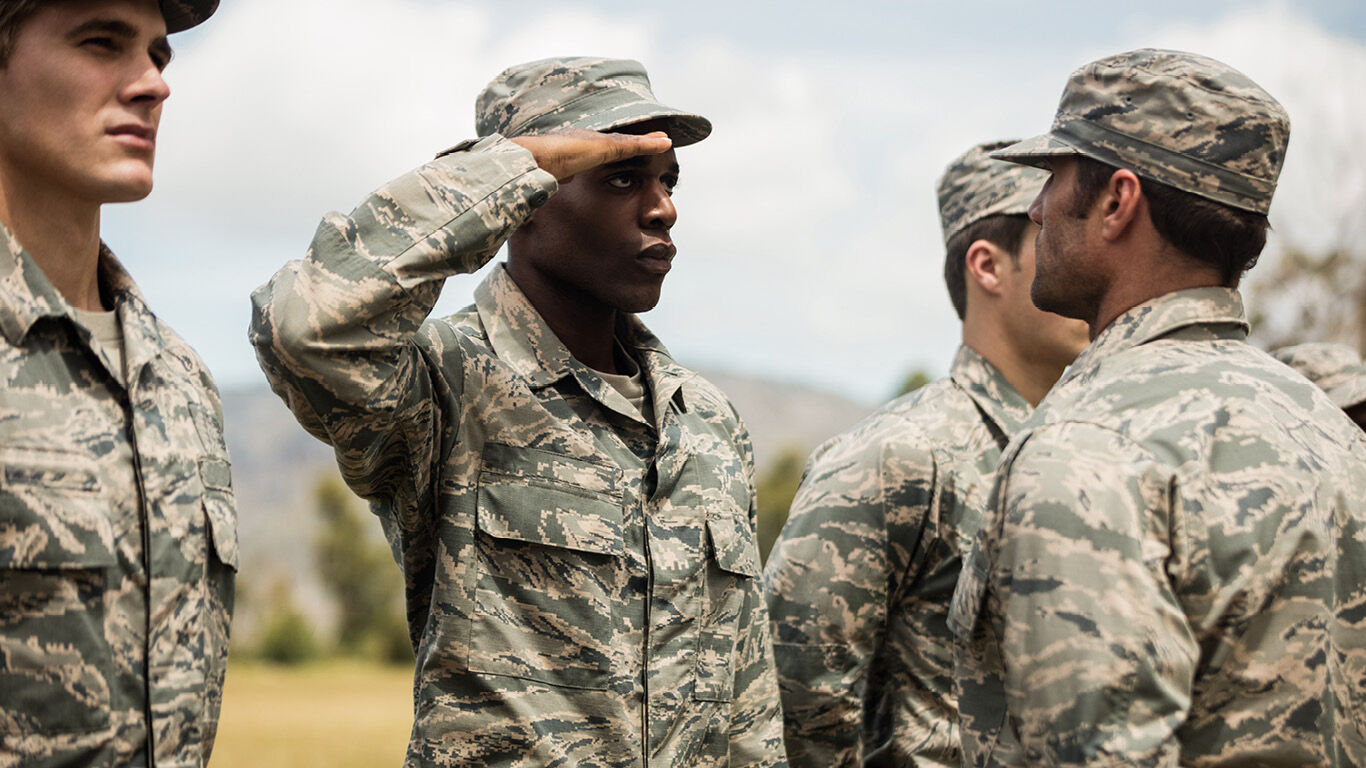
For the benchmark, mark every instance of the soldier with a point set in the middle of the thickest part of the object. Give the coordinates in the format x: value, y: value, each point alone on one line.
x: 1173, y: 566
x: 860, y: 580
x: 117, y: 529
x: 573, y: 511
x: 1337, y: 369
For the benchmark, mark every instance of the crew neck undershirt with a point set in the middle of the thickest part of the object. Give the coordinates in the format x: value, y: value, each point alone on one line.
x: 107, y: 334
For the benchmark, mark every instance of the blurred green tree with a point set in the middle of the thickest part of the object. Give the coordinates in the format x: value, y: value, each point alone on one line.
x: 777, y: 486
x: 914, y: 380
x: 287, y: 636
x: 359, y: 573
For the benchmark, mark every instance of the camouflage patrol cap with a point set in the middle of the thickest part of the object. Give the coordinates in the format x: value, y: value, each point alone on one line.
x: 180, y: 15
x: 1336, y: 368
x: 975, y: 186
x: 1177, y: 118
x: 592, y: 93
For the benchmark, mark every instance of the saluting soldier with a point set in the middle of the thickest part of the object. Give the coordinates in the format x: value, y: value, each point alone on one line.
x: 117, y: 527
x: 859, y: 582
x: 1173, y: 567
x: 572, y: 509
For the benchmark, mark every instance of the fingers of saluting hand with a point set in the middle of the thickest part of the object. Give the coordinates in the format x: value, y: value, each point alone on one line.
x: 565, y: 153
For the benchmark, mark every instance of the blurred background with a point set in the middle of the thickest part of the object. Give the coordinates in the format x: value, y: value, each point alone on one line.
x: 807, y: 284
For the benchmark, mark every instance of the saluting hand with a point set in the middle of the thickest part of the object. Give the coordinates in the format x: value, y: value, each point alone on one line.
x: 565, y: 153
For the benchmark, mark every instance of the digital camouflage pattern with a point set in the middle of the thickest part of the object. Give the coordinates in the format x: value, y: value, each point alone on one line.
x: 1336, y: 368
x: 1184, y: 120
x: 860, y: 579
x: 180, y: 15
x: 118, y: 541
x: 1173, y: 568
x: 582, y: 586
x: 584, y: 92
x: 975, y: 186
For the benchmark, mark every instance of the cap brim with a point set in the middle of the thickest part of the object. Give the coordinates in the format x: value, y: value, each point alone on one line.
x: 181, y: 15
x: 683, y: 129
x: 1036, y: 151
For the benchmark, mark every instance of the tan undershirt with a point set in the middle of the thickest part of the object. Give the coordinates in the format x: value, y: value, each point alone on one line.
x: 630, y: 385
x: 108, y: 337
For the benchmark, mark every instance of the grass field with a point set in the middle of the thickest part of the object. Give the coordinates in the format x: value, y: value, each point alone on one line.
x: 333, y: 714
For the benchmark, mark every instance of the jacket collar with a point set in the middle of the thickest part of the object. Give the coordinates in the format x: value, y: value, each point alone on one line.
x: 994, y: 396
x: 521, y: 339
x: 27, y: 296
x: 1217, y: 311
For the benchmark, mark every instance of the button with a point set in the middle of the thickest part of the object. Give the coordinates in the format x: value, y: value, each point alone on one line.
x: 538, y: 198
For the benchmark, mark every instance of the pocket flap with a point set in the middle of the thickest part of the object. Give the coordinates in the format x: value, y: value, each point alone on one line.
x: 221, y: 513
x: 732, y: 544
x: 53, y: 516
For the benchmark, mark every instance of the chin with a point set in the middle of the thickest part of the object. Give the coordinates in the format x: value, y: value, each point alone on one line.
x: 130, y: 182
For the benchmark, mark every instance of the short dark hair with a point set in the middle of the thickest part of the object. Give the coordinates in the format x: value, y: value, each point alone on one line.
x: 13, y: 13
x: 1221, y: 236
x: 1003, y: 230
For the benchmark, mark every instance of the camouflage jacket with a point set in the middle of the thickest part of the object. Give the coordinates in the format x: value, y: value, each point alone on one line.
x: 582, y: 586
x: 860, y: 580
x: 118, y: 541
x: 1173, y: 567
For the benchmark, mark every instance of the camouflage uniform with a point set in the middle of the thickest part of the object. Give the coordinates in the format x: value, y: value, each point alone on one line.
x: 582, y: 585
x: 1337, y: 369
x: 117, y: 534
x: 860, y: 579
x: 1173, y: 568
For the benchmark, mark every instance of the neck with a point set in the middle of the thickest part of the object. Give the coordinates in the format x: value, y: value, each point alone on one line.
x: 1030, y: 376
x: 1148, y: 275
x: 584, y: 325
x: 61, y: 235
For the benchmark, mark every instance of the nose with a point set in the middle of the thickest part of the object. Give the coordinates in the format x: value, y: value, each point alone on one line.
x: 1036, y: 207
x: 147, y: 86
x: 658, y: 211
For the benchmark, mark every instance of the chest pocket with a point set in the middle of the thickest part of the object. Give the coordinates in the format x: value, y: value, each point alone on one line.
x: 549, y: 547
x: 56, y: 558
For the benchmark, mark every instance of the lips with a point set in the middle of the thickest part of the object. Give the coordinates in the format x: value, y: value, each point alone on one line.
x: 657, y: 258
x: 134, y: 134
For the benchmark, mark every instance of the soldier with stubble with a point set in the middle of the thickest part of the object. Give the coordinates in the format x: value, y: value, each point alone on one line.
x: 860, y: 580
x: 118, y: 544
x: 1173, y: 566
x: 573, y: 510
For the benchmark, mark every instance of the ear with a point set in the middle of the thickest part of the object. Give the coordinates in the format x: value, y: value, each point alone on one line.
x: 983, y: 265
x: 1121, y: 203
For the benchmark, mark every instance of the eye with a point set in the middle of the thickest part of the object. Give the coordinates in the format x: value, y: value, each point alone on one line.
x: 670, y: 183
x: 102, y: 43
x: 620, y: 180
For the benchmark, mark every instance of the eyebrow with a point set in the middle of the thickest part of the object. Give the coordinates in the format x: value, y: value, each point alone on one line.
x: 639, y: 161
x: 121, y: 28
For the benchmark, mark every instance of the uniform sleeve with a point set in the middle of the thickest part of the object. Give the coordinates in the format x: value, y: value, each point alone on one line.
x: 828, y: 582
x: 756, y: 732
x: 1098, y: 657
x: 337, y: 333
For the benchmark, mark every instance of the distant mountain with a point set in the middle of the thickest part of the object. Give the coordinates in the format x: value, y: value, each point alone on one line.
x: 276, y: 465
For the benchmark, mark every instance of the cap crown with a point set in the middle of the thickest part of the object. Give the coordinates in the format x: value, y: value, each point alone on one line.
x: 976, y: 186
x: 591, y: 93
x: 1178, y: 118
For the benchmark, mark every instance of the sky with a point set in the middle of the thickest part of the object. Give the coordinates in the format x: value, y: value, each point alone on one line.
x: 808, y: 234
